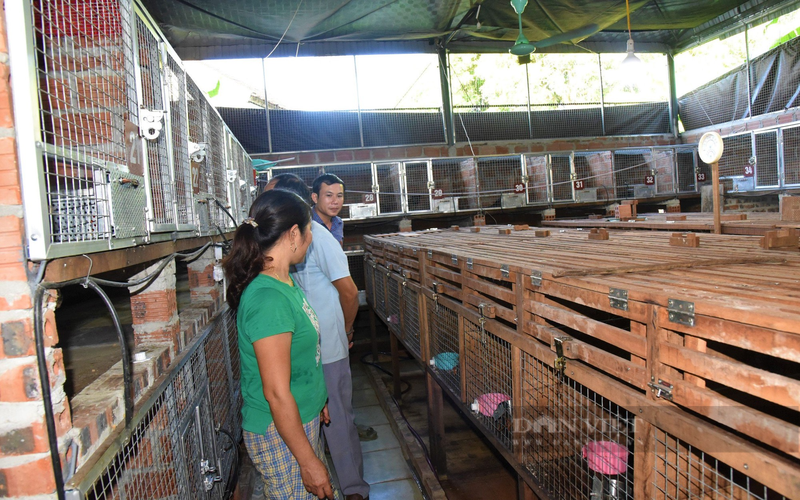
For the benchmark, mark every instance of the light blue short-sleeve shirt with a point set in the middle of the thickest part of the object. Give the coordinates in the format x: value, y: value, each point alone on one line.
x: 325, y: 263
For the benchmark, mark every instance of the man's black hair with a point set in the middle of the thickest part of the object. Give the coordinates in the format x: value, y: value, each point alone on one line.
x: 293, y: 183
x: 327, y: 179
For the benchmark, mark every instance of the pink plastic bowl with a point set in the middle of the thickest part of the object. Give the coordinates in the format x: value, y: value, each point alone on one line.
x: 488, y: 403
x: 606, y: 457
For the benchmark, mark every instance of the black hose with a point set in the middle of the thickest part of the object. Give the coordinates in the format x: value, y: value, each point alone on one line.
x: 387, y: 372
x: 127, y: 375
x: 44, y: 377
x: 235, y: 469
x: 226, y: 211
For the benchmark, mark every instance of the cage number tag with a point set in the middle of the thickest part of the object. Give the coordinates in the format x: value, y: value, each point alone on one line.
x: 369, y: 198
x: 579, y: 185
x: 701, y: 177
x: 519, y: 187
x: 649, y: 180
x: 749, y: 171
x: 196, y: 177
x: 438, y: 194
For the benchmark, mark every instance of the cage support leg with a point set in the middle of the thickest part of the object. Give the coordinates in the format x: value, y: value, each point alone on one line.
x: 395, y: 367
x: 373, y: 334
x: 436, y: 427
x: 524, y: 492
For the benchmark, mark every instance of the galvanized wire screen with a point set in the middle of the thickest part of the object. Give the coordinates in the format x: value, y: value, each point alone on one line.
x: 501, y: 182
x: 389, y: 180
x: 175, y: 438
x: 736, y: 155
x: 444, y: 345
x: 767, y: 168
x: 357, y: 180
x: 632, y: 169
x: 393, y: 303
x: 182, y: 172
x: 369, y: 283
x: 536, y: 170
x: 355, y: 262
x: 594, y: 178
x: 417, y: 186
x: 683, y: 471
x: 576, y: 443
x: 217, y: 166
x: 162, y: 190
x: 561, y: 177
x: 791, y: 156
x: 379, y: 274
x: 686, y: 170
x: 662, y: 171
x: 487, y: 376
x: 78, y: 201
x: 447, y: 184
x: 410, y: 306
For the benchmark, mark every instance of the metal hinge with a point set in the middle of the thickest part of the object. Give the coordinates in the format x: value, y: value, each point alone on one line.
x: 681, y: 312
x: 414, y: 250
x: 454, y: 258
x: 536, y: 278
x: 469, y: 263
x: 430, y: 254
x: 504, y: 270
x: 662, y: 389
x: 560, y: 362
x: 618, y: 298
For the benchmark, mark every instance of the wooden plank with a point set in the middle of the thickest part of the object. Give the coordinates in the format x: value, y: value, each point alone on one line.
x: 436, y: 434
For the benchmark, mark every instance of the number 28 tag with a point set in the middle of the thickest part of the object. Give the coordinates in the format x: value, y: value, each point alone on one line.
x: 437, y: 193
x: 369, y: 198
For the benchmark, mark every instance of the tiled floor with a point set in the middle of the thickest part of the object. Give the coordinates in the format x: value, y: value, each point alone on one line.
x: 385, y: 468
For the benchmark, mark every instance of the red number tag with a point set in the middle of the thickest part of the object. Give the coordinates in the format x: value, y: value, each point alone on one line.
x: 749, y: 171
x: 579, y: 185
x: 519, y: 188
x: 438, y: 194
x: 369, y: 198
x: 701, y: 177
x: 649, y: 180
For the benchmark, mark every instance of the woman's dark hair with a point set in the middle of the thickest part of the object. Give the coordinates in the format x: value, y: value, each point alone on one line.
x: 271, y: 215
x: 293, y: 183
x: 326, y: 179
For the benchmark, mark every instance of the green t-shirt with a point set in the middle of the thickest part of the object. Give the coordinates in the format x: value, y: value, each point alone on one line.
x: 270, y: 307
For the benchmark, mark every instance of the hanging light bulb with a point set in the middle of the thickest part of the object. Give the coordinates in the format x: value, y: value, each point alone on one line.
x: 630, y: 61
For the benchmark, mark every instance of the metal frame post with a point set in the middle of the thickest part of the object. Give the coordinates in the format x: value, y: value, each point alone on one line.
x: 266, y: 103
x: 447, y: 102
x: 358, y: 103
x: 602, y: 96
x: 673, y: 95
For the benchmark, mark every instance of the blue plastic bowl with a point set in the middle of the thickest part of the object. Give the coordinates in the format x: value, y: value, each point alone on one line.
x: 446, y: 360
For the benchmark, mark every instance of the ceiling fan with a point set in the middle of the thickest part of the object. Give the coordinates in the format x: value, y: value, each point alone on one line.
x: 523, y: 47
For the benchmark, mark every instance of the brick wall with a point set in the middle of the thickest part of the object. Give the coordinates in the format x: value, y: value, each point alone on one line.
x: 154, y: 310
x: 25, y: 468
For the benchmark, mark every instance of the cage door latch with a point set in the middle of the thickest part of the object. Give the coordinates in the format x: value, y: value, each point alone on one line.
x: 662, y: 389
x: 560, y: 362
x: 209, y: 474
x: 150, y: 123
x: 618, y: 298
x: 536, y: 278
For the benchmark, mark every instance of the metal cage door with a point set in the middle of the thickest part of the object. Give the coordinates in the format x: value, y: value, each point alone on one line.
x: 199, y: 448
x: 417, y: 186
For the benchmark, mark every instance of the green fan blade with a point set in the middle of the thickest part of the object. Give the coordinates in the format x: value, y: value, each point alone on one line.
x: 519, y: 6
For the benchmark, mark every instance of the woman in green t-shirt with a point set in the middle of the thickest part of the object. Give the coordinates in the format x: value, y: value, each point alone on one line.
x: 282, y: 382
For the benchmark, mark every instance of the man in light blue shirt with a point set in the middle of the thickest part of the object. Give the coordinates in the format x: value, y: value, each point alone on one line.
x: 325, y: 279
x: 327, y: 193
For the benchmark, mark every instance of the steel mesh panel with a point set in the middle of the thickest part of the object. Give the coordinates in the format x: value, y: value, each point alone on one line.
x: 685, y: 161
x: 77, y: 196
x: 736, y: 154
x: 162, y: 193
x: 491, y: 123
x: 218, y: 166
x: 663, y: 169
x: 683, y: 471
x: 389, y: 184
x: 447, y: 181
x: 631, y: 168
x: 176, y: 82
x: 357, y: 180
x: 594, y: 175
x: 369, y: 287
x: 444, y: 345
x: 380, y: 292
x: 128, y: 202
x: 536, y: 168
x: 393, y: 304
x: 245, y: 168
x: 355, y: 262
x: 410, y: 306
x: 84, y: 62
x: 498, y: 178
x: 417, y: 191
x: 561, y: 177
x: 308, y: 174
x: 487, y: 373
x: 560, y: 418
x: 767, y: 159
x: 199, y: 170
x: 162, y: 457
x: 791, y: 156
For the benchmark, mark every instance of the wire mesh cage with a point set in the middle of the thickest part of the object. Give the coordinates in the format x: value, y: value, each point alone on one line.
x: 162, y: 190
x: 176, y: 87
x: 217, y: 168
x: 447, y: 184
x: 536, y: 170
x: 390, y: 178
x: 358, y: 182
x: 767, y: 169
x: 663, y: 173
x: 736, y: 156
x: 683, y: 471
x: 487, y: 380
x: 177, y: 434
x: 444, y: 344
x: 410, y: 307
x: 393, y: 282
x: 575, y: 442
x: 78, y: 201
x: 594, y: 179
x: 355, y: 262
x: 634, y: 175
x: 196, y: 112
x: 791, y: 156
x: 686, y: 170
x: 379, y: 275
x: 561, y: 177
x: 500, y: 182
x: 417, y: 179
